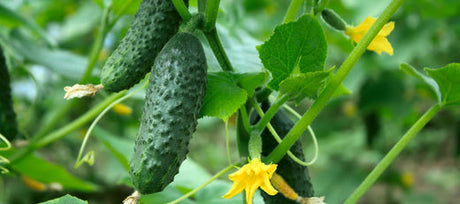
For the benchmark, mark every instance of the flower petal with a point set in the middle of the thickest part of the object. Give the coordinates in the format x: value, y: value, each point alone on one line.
x: 387, y: 28
x: 236, y: 188
x: 380, y: 44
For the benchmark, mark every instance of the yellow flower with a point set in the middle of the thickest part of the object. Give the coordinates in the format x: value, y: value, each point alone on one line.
x: 250, y: 177
x: 122, y: 109
x: 380, y: 42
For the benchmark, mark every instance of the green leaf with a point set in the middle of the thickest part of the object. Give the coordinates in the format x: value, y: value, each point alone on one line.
x: 120, y: 147
x: 60, y: 61
x: 121, y: 7
x: 298, y: 45
x: 67, y: 199
x: 408, y: 69
x: 82, y: 22
x: 448, y: 79
x: 45, y: 172
x: 10, y: 18
x: 303, y: 85
x: 226, y: 92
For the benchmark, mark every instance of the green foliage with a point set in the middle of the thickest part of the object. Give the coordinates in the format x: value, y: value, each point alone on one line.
x: 46, y: 172
x: 226, y: 92
x: 303, y: 85
x: 448, y: 79
x: 67, y: 199
x: 295, y: 47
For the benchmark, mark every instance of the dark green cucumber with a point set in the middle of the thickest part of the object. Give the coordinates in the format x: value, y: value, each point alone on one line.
x: 173, y: 100
x: 8, y: 124
x: 155, y: 22
x: 294, y: 174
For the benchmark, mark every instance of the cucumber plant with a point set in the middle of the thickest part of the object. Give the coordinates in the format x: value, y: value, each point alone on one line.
x: 292, y: 68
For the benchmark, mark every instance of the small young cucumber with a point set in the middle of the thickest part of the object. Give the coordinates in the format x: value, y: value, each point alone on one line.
x: 173, y: 100
x: 294, y: 174
x: 155, y: 22
x: 8, y: 124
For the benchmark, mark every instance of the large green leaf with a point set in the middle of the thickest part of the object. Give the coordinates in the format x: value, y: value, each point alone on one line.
x: 448, y: 79
x: 226, y: 92
x: 10, y: 18
x: 297, y: 46
x: 120, y: 147
x: 120, y: 7
x: 303, y: 85
x: 60, y: 61
x: 82, y: 22
x: 46, y: 172
x: 67, y: 199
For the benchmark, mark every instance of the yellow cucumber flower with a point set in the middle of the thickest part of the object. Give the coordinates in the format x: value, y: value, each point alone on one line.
x: 122, y: 109
x: 250, y: 177
x: 380, y: 42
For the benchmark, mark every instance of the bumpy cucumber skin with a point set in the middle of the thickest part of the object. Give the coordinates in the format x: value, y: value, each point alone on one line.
x: 155, y: 22
x: 294, y: 174
x: 172, y: 103
x: 8, y: 124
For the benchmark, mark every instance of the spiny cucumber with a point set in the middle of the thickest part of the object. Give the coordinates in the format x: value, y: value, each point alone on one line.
x: 173, y: 100
x: 294, y: 174
x: 155, y: 22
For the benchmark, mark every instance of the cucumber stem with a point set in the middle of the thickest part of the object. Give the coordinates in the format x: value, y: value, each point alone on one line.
x: 392, y: 154
x: 196, y: 21
x: 328, y: 92
x: 212, y: 8
x: 265, y: 119
x: 182, y: 10
x: 292, y: 10
x: 218, y: 49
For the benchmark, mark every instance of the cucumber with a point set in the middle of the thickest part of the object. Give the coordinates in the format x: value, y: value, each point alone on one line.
x: 155, y: 22
x: 294, y: 174
x: 173, y: 100
x: 8, y: 124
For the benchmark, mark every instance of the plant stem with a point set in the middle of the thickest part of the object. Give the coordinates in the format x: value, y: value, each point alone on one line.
x: 328, y: 92
x: 265, y: 119
x: 292, y: 10
x: 182, y: 9
x: 97, y: 46
x: 196, y: 21
x: 212, y: 8
x: 53, y: 136
x: 245, y: 118
x: 218, y: 49
x: 216, y: 176
x: 392, y: 154
x: 202, y: 6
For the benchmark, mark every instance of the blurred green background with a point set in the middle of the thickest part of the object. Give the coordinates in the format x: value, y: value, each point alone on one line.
x: 48, y: 44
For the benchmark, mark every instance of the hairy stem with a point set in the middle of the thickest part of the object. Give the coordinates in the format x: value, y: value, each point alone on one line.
x: 212, y: 8
x: 182, y: 9
x: 292, y: 10
x: 392, y: 154
x: 218, y: 49
x: 328, y: 92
